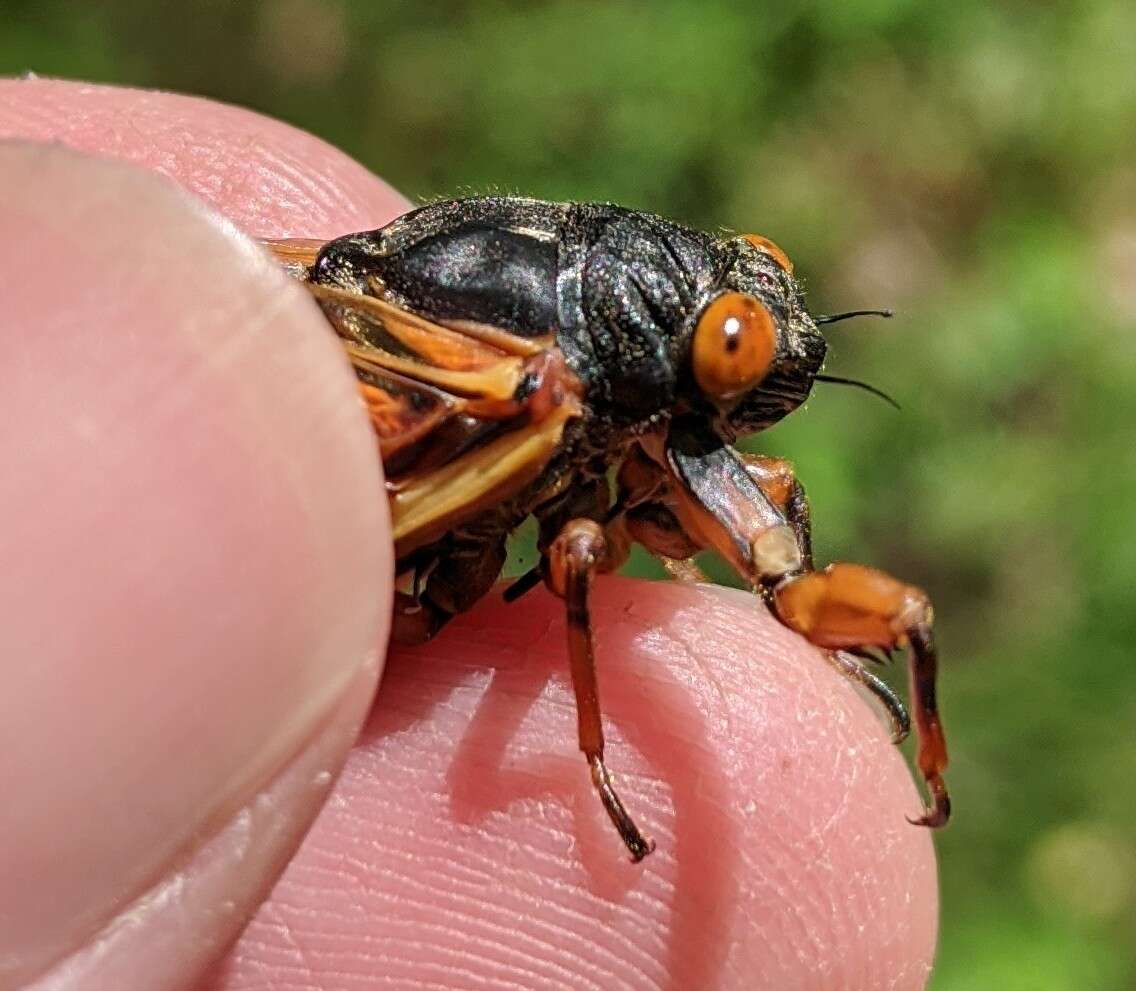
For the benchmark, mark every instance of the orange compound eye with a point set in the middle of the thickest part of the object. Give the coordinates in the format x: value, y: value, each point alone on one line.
x: 734, y: 345
x: 763, y: 244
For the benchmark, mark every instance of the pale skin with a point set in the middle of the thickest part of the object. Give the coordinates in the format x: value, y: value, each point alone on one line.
x: 193, y: 607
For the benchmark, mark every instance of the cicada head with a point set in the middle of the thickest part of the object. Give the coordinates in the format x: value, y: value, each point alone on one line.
x: 755, y: 351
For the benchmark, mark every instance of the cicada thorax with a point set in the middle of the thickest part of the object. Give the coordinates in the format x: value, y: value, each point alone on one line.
x: 480, y: 329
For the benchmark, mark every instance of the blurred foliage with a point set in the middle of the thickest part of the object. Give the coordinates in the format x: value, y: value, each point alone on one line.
x: 972, y: 165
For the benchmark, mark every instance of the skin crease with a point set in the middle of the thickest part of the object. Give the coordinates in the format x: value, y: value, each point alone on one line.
x: 462, y: 845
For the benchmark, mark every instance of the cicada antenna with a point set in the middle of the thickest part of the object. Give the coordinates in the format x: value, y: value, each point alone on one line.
x: 857, y: 384
x: 837, y: 317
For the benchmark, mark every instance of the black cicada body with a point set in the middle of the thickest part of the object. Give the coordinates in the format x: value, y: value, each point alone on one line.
x: 513, y: 354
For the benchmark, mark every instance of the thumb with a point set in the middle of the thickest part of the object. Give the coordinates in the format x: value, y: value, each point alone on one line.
x: 195, y: 574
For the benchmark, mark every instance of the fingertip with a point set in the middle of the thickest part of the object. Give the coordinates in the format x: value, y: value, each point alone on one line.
x: 465, y: 833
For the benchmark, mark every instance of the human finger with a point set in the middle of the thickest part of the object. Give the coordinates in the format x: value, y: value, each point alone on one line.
x: 463, y: 845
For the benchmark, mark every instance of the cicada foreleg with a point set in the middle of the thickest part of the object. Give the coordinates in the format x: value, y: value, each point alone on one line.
x: 777, y: 479
x: 577, y: 553
x: 731, y: 505
x: 650, y: 521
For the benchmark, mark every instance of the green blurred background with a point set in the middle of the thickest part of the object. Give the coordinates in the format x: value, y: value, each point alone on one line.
x: 973, y: 167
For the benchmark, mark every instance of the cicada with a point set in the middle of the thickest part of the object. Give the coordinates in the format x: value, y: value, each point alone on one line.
x: 592, y: 366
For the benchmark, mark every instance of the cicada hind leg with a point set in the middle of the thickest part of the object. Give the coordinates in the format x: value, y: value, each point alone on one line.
x: 577, y: 553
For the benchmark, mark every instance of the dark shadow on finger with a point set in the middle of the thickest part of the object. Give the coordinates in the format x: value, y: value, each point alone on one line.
x: 680, y: 795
